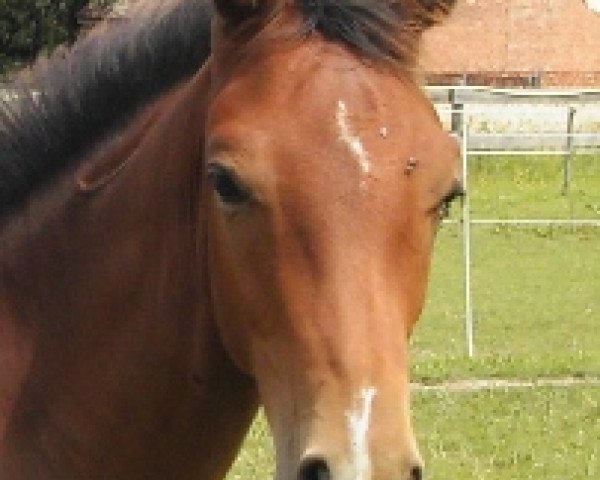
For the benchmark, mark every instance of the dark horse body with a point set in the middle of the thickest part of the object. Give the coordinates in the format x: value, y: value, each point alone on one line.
x: 148, y: 304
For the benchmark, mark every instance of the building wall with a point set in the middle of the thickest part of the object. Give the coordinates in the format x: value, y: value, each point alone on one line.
x: 509, y: 43
x: 559, y: 39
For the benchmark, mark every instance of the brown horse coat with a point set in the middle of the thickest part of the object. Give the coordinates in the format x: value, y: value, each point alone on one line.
x: 259, y: 232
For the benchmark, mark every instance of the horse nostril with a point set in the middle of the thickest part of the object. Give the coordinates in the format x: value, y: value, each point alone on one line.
x: 416, y: 473
x: 314, y: 468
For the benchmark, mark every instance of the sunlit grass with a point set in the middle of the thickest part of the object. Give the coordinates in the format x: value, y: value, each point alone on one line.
x: 522, y: 434
x: 536, y: 306
x: 541, y: 434
x: 256, y: 460
x: 536, y: 290
x: 532, y: 187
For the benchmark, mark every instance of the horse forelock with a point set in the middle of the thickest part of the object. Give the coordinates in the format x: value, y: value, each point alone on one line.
x: 60, y: 109
x: 387, y: 31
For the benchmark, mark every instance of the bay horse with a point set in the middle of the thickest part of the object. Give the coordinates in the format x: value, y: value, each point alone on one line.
x: 210, y: 208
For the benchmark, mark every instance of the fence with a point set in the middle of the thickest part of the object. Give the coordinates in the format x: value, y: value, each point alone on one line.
x: 462, y: 110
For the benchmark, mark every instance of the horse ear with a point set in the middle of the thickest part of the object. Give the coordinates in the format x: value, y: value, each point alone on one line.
x: 237, y: 11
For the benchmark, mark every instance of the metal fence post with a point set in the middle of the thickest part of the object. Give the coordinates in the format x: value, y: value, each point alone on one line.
x: 457, y: 113
x: 570, y: 149
x: 466, y: 220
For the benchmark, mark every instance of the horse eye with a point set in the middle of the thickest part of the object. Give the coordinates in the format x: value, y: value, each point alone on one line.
x: 227, y: 186
x: 444, y: 207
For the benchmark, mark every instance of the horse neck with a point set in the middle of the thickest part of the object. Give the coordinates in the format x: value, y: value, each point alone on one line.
x: 113, y: 354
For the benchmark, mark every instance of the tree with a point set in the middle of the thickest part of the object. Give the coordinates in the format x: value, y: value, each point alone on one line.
x: 30, y: 27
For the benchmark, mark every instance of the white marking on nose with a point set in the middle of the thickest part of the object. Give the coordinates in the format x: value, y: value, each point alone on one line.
x: 359, y: 421
x: 353, y: 141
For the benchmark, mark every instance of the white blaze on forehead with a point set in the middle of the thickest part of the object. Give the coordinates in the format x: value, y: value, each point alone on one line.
x: 359, y: 421
x: 353, y: 142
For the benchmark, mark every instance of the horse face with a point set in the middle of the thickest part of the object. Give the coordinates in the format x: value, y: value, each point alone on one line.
x: 327, y: 178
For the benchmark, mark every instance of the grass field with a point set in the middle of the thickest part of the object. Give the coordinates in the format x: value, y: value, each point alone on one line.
x: 523, y: 434
x: 549, y: 434
x: 536, y: 290
x: 537, y: 314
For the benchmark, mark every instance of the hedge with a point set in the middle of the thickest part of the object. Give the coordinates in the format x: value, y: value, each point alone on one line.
x: 30, y: 27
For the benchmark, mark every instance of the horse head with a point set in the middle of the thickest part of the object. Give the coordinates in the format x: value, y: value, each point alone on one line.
x: 329, y: 172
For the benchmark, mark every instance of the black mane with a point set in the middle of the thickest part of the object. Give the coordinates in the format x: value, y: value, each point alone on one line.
x: 77, y: 99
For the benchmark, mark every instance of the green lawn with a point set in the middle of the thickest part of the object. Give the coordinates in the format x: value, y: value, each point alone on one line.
x: 541, y: 434
x: 532, y: 187
x: 536, y: 291
x: 256, y: 460
x: 536, y: 306
x: 522, y: 434
x: 537, y: 313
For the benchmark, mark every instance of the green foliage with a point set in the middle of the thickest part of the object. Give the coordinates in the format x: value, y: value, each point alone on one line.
x: 29, y: 27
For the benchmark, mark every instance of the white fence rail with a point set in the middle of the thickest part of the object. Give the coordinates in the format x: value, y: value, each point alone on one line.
x: 554, y: 130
